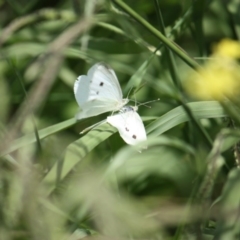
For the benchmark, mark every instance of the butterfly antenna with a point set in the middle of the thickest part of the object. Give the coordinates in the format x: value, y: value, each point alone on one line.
x: 135, y: 99
x: 144, y: 104
x: 129, y: 92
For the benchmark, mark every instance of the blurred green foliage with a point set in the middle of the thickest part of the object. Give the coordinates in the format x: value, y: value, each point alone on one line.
x: 58, y: 184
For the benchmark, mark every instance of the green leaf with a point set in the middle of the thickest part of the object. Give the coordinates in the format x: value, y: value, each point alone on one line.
x: 171, y: 45
x: 30, y: 138
x: 137, y: 77
x: 76, y: 151
x: 129, y: 163
x: 24, y: 49
x: 207, y: 109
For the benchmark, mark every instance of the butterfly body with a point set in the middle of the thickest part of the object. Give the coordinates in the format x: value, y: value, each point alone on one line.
x: 98, y: 92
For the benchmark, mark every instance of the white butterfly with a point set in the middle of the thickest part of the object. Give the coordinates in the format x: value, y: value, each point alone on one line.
x: 98, y: 92
x: 129, y: 125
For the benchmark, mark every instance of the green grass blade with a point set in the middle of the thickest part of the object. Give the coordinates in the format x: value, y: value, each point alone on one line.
x: 129, y: 163
x: 76, y: 151
x: 31, y: 138
x: 158, y: 34
x: 137, y: 77
x: 206, y: 109
x: 169, y: 55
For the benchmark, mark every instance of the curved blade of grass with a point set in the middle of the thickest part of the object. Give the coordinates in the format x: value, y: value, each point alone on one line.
x: 128, y: 163
x: 31, y: 138
x: 79, y: 149
x: 169, y: 56
x: 137, y: 77
x: 207, y: 109
x: 171, y: 45
x: 75, y: 152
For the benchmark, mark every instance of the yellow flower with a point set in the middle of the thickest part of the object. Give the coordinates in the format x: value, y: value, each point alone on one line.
x: 220, y: 77
x: 227, y: 48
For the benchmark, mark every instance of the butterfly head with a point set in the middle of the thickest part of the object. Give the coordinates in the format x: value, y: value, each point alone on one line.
x: 125, y: 101
x: 122, y: 103
x: 128, y: 109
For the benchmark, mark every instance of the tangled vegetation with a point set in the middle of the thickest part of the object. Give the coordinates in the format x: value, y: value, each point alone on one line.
x: 56, y: 183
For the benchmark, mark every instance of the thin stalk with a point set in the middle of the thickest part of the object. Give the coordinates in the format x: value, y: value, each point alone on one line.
x: 202, y: 130
x: 39, y: 147
x: 169, y: 55
x: 171, y: 45
x: 176, y: 80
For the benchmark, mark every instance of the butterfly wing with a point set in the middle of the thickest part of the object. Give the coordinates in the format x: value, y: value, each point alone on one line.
x: 129, y: 125
x: 98, y: 92
x: 95, y: 107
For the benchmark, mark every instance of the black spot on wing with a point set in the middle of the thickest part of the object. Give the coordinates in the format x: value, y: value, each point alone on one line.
x: 127, y: 129
x: 134, y: 136
x: 101, y: 84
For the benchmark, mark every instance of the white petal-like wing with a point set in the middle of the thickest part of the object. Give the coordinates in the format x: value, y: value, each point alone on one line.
x: 129, y: 125
x: 98, y: 91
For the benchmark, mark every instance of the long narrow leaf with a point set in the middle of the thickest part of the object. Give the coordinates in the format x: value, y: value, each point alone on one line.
x: 76, y: 151
x: 31, y: 138
x: 208, y: 109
